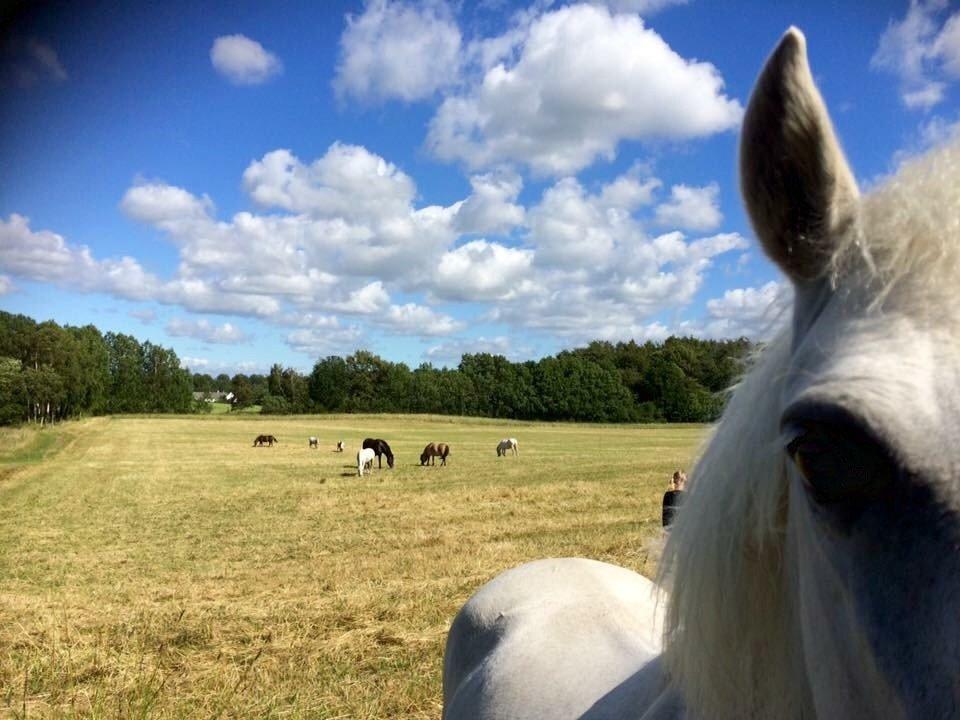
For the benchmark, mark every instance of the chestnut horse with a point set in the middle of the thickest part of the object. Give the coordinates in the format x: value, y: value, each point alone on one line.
x: 434, y: 450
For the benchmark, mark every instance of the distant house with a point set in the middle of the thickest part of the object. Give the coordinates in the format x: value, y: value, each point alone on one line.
x: 211, y: 397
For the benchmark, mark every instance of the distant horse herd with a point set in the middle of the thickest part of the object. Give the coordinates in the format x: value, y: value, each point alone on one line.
x: 378, y: 448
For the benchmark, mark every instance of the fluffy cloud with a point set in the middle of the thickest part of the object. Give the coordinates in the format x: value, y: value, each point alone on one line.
x: 398, y: 51
x: 450, y: 352
x: 749, y: 312
x: 348, y: 182
x: 691, y: 208
x: 573, y: 229
x: 243, y: 61
x: 352, y: 219
x: 642, y: 7
x: 923, y: 50
x: 227, y: 334
x: 6, y: 285
x: 164, y: 205
x: 357, y: 210
x: 598, y: 273
x: 321, y: 342
x: 491, y: 207
x: 47, y: 257
x: 341, y: 235
x: 413, y: 319
x: 481, y: 270
x: 581, y: 82
x: 369, y: 299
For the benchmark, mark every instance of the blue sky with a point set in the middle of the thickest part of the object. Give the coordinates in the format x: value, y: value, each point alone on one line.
x: 273, y: 183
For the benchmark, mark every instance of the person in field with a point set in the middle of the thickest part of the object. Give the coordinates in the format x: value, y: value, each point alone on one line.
x: 673, y: 498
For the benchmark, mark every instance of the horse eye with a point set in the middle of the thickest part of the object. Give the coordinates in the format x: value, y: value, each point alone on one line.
x: 839, y: 464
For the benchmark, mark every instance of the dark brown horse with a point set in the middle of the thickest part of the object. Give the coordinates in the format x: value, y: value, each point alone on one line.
x: 380, y: 447
x: 265, y: 440
x: 434, y: 450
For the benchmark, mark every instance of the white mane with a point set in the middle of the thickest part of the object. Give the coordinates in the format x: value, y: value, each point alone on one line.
x: 910, y: 224
x: 732, y: 636
x: 723, y: 564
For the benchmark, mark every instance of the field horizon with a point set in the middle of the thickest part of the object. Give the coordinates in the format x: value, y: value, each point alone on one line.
x: 161, y: 566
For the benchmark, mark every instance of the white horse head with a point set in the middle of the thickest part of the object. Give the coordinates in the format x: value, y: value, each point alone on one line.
x: 814, y: 571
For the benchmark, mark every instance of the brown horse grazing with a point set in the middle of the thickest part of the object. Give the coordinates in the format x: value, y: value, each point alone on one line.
x: 434, y: 450
x: 265, y: 440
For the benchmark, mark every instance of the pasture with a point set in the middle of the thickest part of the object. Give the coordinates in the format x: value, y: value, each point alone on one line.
x: 162, y: 567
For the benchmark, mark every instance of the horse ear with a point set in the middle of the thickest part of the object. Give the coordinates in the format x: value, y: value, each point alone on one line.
x: 798, y: 188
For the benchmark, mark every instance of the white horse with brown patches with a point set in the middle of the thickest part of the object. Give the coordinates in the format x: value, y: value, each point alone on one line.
x: 508, y: 445
x: 814, y: 571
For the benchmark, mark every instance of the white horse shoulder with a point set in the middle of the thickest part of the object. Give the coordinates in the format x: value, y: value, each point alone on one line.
x: 599, y: 624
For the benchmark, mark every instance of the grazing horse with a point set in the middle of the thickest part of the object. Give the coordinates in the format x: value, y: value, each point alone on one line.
x: 314, y: 442
x: 365, y: 460
x: 434, y: 450
x: 506, y: 445
x: 814, y: 571
x: 380, y: 447
x: 265, y: 440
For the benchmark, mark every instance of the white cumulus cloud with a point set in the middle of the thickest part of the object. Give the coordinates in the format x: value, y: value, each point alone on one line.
x: 322, y: 342
x: 414, y: 319
x: 451, y: 351
x: 46, y: 256
x: 395, y: 50
x: 160, y: 204
x: 576, y: 83
x: 481, y: 270
x: 366, y: 300
x: 923, y: 51
x: 243, y: 61
x: 348, y: 181
x: 691, y: 208
x: 642, y: 7
x: 598, y: 273
x: 203, y: 329
x: 491, y: 207
x: 751, y: 312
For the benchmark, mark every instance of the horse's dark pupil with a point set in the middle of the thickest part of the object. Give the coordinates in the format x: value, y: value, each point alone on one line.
x: 838, y: 467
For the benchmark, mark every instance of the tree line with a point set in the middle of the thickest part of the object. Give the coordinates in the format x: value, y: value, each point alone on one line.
x: 48, y: 373
x: 679, y: 380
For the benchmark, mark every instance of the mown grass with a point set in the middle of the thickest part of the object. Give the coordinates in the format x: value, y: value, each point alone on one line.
x: 162, y: 567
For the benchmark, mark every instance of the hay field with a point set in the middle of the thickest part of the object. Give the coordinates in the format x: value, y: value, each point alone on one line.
x: 162, y: 567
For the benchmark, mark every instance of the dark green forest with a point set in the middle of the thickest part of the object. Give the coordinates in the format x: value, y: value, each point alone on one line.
x: 49, y: 373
